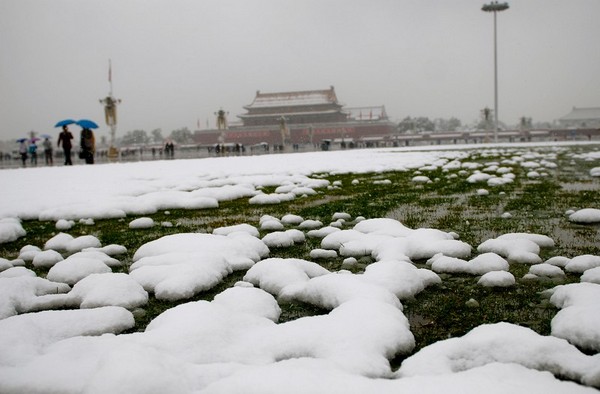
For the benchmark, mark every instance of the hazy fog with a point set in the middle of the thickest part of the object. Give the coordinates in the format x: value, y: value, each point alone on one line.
x: 174, y: 63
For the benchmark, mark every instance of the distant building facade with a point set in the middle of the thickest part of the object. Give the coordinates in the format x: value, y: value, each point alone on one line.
x: 308, y: 117
x: 581, y: 118
x: 304, y: 107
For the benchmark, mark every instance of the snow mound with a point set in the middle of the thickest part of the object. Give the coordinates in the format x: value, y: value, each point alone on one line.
x: 497, y: 279
x: 421, y: 179
x: 546, y: 270
x: 73, y: 269
x: 46, y: 259
x: 249, y: 300
x: 517, y: 247
x: 178, y: 266
x: 141, y: 223
x: 503, y: 343
x: 271, y: 225
x: 324, y: 254
x: 20, y: 294
x: 273, y: 198
x: 244, y: 227
x: 390, y: 239
x: 322, y: 232
x: 28, y: 252
x: 110, y: 289
x: 27, y: 336
x: 59, y: 242
x: 341, y: 215
x: 592, y: 275
x: 11, y: 230
x: 401, y: 278
x: 15, y: 272
x: 291, y: 219
x: 273, y: 274
x: 95, y: 253
x: 578, y: 321
x: 320, y: 376
x: 580, y: 264
x: 559, y: 261
x: 82, y: 242
x: 310, y: 224
x: 278, y: 239
x: 479, y: 265
x: 63, y: 224
x: 585, y: 216
x: 332, y: 290
x: 109, y: 250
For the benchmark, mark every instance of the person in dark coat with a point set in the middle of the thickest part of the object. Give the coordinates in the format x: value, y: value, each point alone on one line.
x: 88, y: 145
x: 65, y: 138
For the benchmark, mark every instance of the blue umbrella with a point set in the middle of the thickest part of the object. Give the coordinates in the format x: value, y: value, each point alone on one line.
x: 87, y: 124
x: 65, y: 122
x: 21, y: 139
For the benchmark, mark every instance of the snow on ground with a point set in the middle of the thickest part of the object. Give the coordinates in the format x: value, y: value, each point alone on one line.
x: 10, y: 229
x: 235, y: 343
x: 578, y: 321
x: 586, y: 215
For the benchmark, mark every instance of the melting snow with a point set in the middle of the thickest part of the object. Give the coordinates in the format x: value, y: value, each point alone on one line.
x: 235, y: 343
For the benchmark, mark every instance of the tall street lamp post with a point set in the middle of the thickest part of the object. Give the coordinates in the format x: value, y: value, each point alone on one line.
x: 495, y: 7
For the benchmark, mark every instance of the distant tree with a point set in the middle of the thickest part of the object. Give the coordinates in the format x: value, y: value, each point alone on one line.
x: 135, y: 137
x: 543, y: 125
x: 157, y: 136
x: 451, y: 124
x: 182, y: 136
x: 486, y: 120
x: 424, y: 124
x: 525, y: 123
x: 415, y: 125
x: 406, y: 125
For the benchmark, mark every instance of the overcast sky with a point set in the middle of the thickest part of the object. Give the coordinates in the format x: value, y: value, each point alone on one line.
x: 176, y: 62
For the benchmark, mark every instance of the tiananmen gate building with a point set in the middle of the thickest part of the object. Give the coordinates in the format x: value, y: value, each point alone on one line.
x: 302, y: 117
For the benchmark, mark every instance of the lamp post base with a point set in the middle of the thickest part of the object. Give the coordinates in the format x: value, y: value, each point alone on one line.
x: 113, y: 152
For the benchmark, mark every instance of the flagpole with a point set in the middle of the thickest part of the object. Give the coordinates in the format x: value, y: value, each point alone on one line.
x: 110, y: 76
x: 110, y: 113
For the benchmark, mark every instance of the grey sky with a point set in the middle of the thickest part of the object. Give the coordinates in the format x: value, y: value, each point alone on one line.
x: 178, y: 61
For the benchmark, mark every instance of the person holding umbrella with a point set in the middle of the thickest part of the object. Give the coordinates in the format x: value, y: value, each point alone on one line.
x: 88, y: 142
x: 88, y: 145
x: 65, y: 138
x: 23, y: 150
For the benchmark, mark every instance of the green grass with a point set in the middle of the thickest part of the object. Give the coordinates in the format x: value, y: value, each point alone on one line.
x: 439, y: 312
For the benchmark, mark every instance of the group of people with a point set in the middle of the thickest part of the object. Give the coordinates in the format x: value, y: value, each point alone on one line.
x: 30, y: 150
x: 87, y: 145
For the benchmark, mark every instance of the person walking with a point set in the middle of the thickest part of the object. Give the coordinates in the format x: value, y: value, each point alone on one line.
x: 170, y: 149
x: 23, y: 152
x: 48, y: 151
x: 65, y: 137
x: 33, y: 152
x: 88, y: 145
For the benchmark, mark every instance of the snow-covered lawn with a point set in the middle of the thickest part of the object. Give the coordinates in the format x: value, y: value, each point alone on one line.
x: 72, y: 330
